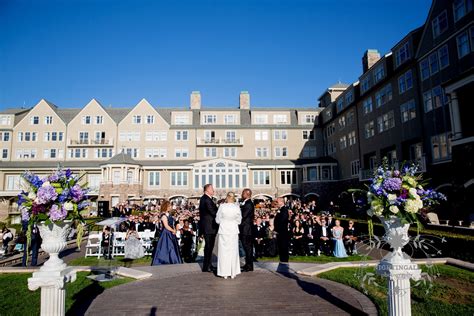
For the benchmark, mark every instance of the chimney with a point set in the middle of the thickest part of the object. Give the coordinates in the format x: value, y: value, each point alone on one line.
x: 371, y: 56
x: 195, y: 100
x: 244, y: 100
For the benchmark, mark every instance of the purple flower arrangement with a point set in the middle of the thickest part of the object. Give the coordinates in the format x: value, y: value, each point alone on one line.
x: 53, y: 198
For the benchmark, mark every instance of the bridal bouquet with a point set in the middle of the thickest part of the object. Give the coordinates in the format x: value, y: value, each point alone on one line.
x: 52, y: 199
x: 399, y: 193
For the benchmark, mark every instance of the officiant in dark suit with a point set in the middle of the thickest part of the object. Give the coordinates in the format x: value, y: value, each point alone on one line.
x: 208, y: 225
x: 248, y: 210
x: 281, y: 227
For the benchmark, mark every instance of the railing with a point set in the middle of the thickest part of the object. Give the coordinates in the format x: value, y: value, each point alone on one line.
x: 366, y: 174
x: 91, y: 142
x: 220, y: 141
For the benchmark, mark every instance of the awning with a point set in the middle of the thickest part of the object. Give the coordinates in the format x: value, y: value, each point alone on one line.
x: 111, y: 221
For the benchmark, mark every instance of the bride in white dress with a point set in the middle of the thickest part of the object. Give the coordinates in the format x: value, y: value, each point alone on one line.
x: 228, y: 217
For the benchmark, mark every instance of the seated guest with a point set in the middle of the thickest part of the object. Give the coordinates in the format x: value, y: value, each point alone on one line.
x: 350, y: 238
x: 7, y: 236
x: 298, y: 233
x: 324, y: 238
x: 259, y: 233
x: 337, y: 232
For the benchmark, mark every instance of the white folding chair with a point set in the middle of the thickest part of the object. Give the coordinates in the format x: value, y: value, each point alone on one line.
x: 118, y: 248
x: 93, y: 247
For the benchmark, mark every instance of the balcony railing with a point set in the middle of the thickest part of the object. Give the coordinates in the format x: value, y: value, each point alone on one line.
x: 366, y: 174
x: 220, y: 141
x: 90, y: 142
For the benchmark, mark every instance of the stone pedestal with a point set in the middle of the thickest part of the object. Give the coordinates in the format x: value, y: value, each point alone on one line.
x: 399, y: 275
x: 53, y: 293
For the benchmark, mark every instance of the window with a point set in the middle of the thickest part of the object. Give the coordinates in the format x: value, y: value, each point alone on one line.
x: 181, y: 135
x: 179, y: 178
x: 342, y: 122
x: 402, y: 54
x: 441, y: 146
x: 261, y: 152
x: 434, y: 63
x: 261, y: 177
x: 308, y: 135
x: 150, y: 119
x: 288, y: 177
x: 463, y: 45
x: 104, y: 153
x: 424, y: 69
x: 133, y: 152
x: 343, y: 142
x: 433, y: 99
x: 379, y: 73
x: 156, y: 136
x: 53, y: 136
x: 311, y: 174
x: 349, y: 97
x: 461, y: 8
x: 367, y: 105
x: 26, y: 153
x: 181, y: 119
x: 27, y: 136
x: 261, y: 119
x: 99, y: 120
x: 4, y: 153
x: 281, y: 152
x: 230, y: 137
x: 352, y: 138
x: 53, y: 153
x: 154, y: 178
x: 350, y: 117
x: 309, y: 118
x: 369, y: 129
x: 13, y: 183
x: 340, y: 104
x: 210, y: 152
x: 280, y: 119
x: 385, y: 122
x: 355, y: 168
x: 155, y: 152
x: 48, y: 120
x: 230, y: 152
x: 440, y: 24
x: 210, y: 119
x: 137, y: 119
x: 5, y: 120
x: 78, y: 153
x: 280, y: 135
x: 83, y: 137
x: 261, y: 135
x: 443, y: 56
x: 181, y: 153
x: 4, y: 136
x: 129, y: 136
x: 309, y: 151
x: 365, y: 84
x: 230, y: 119
x: 86, y: 120
x: 383, y: 96
x: 34, y: 120
x: 331, y: 148
x: 405, y: 82
x: 408, y: 111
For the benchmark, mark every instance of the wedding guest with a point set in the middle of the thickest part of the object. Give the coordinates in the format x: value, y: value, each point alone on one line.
x: 337, y: 232
x: 324, y: 237
x: 106, y: 242
x: 7, y: 236
x: 167, y: 249
x: 298, y: 233
x: 281, y: 227
x: 259, y: 234
x: 187, y: 241
x: 270, y: 240
x: 350, y: 238
x: 133, y: 246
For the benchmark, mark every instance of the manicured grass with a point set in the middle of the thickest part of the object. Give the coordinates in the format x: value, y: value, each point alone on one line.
x: 317, y: 259
x: 448, y: 293
x: 16, y: 299
x: 115, y: 262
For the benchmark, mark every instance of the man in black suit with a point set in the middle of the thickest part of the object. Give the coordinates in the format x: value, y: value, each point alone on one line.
x: 248, y: 210
x: 259, y: 234
x: 281, y: 227
x: 208, y: 225
x: 323, y: 234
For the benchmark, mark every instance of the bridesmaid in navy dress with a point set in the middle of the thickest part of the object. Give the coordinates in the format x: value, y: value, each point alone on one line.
x: 167, y: 249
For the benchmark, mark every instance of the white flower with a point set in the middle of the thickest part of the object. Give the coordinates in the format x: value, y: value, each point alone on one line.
x: 394, y: 209
x: 392, y: 197
x: 32, y: 195
x: 46, y: 184
x: 413, y: 205
x: 369, y: 196
x: 413, y: 193
x: 377, y: 209
x: 68, y: 206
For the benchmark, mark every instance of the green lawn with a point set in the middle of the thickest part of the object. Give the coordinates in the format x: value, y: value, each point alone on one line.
x: 449, y: 293
x: 316, y: 259
x: 115, y: 262
x: 16, y: 299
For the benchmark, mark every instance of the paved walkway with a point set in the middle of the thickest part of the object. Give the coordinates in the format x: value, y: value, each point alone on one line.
x: 271, y: 289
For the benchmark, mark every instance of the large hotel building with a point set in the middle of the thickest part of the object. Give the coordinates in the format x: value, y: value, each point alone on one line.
x: 411, y: 104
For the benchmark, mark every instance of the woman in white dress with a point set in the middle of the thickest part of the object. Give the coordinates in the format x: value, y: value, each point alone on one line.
x: 228, y: 217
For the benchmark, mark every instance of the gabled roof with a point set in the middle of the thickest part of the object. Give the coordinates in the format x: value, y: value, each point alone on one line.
x: 117, y: 114
x: 67, y: 114
x: 121, y: 158
x: 339, y: 85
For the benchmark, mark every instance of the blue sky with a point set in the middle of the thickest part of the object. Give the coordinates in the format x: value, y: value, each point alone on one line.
x: 285, y: 53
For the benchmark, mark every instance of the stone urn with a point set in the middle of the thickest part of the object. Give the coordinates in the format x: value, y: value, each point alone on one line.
x: 396, y: 235
x: 54, y: 241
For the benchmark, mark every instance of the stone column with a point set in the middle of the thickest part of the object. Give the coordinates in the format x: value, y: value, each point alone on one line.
x: 455, y: 116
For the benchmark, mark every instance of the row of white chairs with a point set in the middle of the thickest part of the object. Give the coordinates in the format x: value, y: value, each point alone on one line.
x: 94, y: 243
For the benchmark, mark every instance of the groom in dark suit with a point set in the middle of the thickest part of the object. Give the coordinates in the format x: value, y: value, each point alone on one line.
x: 246, y: 226
x: 208, y: 225
x: 281, y: 227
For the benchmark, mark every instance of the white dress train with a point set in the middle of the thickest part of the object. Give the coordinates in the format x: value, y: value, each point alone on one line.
x: 228, y: 217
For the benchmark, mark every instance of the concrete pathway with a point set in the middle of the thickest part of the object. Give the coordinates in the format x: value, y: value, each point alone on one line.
x: 271, y: 289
